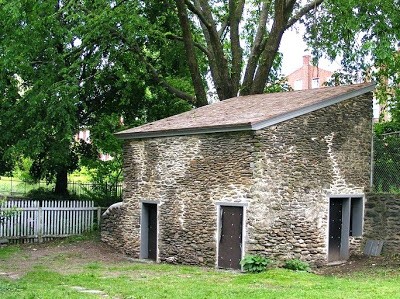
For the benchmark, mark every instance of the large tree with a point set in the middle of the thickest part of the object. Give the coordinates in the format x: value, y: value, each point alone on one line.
x: 68, y: 65
x: 239, y: 39
x: 65, y: 65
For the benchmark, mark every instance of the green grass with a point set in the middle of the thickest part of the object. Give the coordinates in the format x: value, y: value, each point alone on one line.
x: 7, y: 251
x: 10, y: 186
x: 136, y: 280
x: 81, y: 176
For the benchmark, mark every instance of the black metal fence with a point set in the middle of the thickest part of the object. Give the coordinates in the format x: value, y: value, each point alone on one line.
x: 16, y: 187
x: 386, y: 163
x: 87, y: 188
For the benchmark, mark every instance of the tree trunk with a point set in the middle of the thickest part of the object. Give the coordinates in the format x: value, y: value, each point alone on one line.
x: 201, y: 97
x: 283, y: 10
x: 61, y: 182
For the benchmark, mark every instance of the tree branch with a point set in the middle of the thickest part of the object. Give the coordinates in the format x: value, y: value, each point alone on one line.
x: 303, y: 12
x: 224, y: 25
x: 283, y: 11
x: 218, y: 63
x: 179, y: 93
x: 201, y: 97
x: 197, y: 45
x: 258, y: 46
x: 156, y: 76
x: 133, y: 45
x: 235, y: 15
x: 211, y: 58
x: 198, y: 12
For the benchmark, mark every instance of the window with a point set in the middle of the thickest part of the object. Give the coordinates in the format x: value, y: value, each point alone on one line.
x: 315, y: 83
x: 298, y: 85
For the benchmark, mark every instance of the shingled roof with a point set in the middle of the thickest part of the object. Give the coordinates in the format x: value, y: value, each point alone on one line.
x: 252, y: 112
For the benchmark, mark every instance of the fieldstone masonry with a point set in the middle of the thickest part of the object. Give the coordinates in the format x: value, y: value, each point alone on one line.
x: 382, y: 220
x: 284, y: 173
x: 111, y: 224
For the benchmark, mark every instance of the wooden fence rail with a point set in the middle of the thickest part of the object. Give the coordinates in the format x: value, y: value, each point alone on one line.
x: 35, y: 221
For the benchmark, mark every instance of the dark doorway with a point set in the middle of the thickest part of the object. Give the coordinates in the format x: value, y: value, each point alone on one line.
x: 339, y: 229
x: 148, y: 248
x: 230, y: 241
x: 335, y: 228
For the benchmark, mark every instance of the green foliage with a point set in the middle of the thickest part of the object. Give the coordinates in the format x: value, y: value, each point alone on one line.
x: 103, y: 195
x: 297, y: 265
x: 71, y: 66
x: 6, y: 213
x: 280, y: 85
x: 80, y: 175
x: 45, y: 194
x: 387, y: 157
x: 364, y: 35
x: 22, y: 170
x: 255, y: 263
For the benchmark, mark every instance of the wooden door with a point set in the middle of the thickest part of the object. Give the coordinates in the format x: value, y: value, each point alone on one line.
x: 152, y: 231
x: 230, y: 242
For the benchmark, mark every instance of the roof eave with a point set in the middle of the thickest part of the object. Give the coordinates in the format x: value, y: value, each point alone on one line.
x: 183, y: 132
x: 311, y: 108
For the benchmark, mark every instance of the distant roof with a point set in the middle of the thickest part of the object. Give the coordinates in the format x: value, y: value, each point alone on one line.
x: 253, y: 112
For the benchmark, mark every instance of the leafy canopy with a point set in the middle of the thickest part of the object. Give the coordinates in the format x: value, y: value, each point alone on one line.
x: 69, y: 65
x: 364, y: 35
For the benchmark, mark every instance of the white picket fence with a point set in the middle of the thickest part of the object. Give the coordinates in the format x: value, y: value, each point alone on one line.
x: 35, y: 222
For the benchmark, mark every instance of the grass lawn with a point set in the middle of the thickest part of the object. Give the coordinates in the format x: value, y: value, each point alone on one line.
x: 14, y: 186
x: 83, y: 269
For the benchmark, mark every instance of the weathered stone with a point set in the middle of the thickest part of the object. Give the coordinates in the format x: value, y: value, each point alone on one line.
x: 284, y: 174
x: 382, y: 220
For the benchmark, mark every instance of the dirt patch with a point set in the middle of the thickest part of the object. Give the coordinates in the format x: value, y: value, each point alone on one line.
x: 69, y: 257
x: 362, y: 263
x: 60, y: 256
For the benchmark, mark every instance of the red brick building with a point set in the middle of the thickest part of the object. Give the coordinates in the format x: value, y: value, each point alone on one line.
x: 308, y: 76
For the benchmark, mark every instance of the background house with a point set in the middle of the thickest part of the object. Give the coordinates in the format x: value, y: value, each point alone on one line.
x: 282, y: 175
x: 84, y: 135
x: 308, y: 76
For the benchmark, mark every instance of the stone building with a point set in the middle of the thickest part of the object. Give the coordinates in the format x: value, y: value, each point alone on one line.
x: 308, y: 76
x: 281, y: 175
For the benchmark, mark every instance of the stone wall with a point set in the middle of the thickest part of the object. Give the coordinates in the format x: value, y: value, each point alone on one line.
x: 299, y: 164
x: 382, y: 220
x: 111, y: 224
x: 284, y: 174
x: 186, y: 176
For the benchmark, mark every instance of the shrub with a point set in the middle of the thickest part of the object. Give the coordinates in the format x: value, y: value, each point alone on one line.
x: 45, y: 194
x: 4, y: 214
x: 297, y: 265
x: 255, y: 263
x: 101, y: 199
